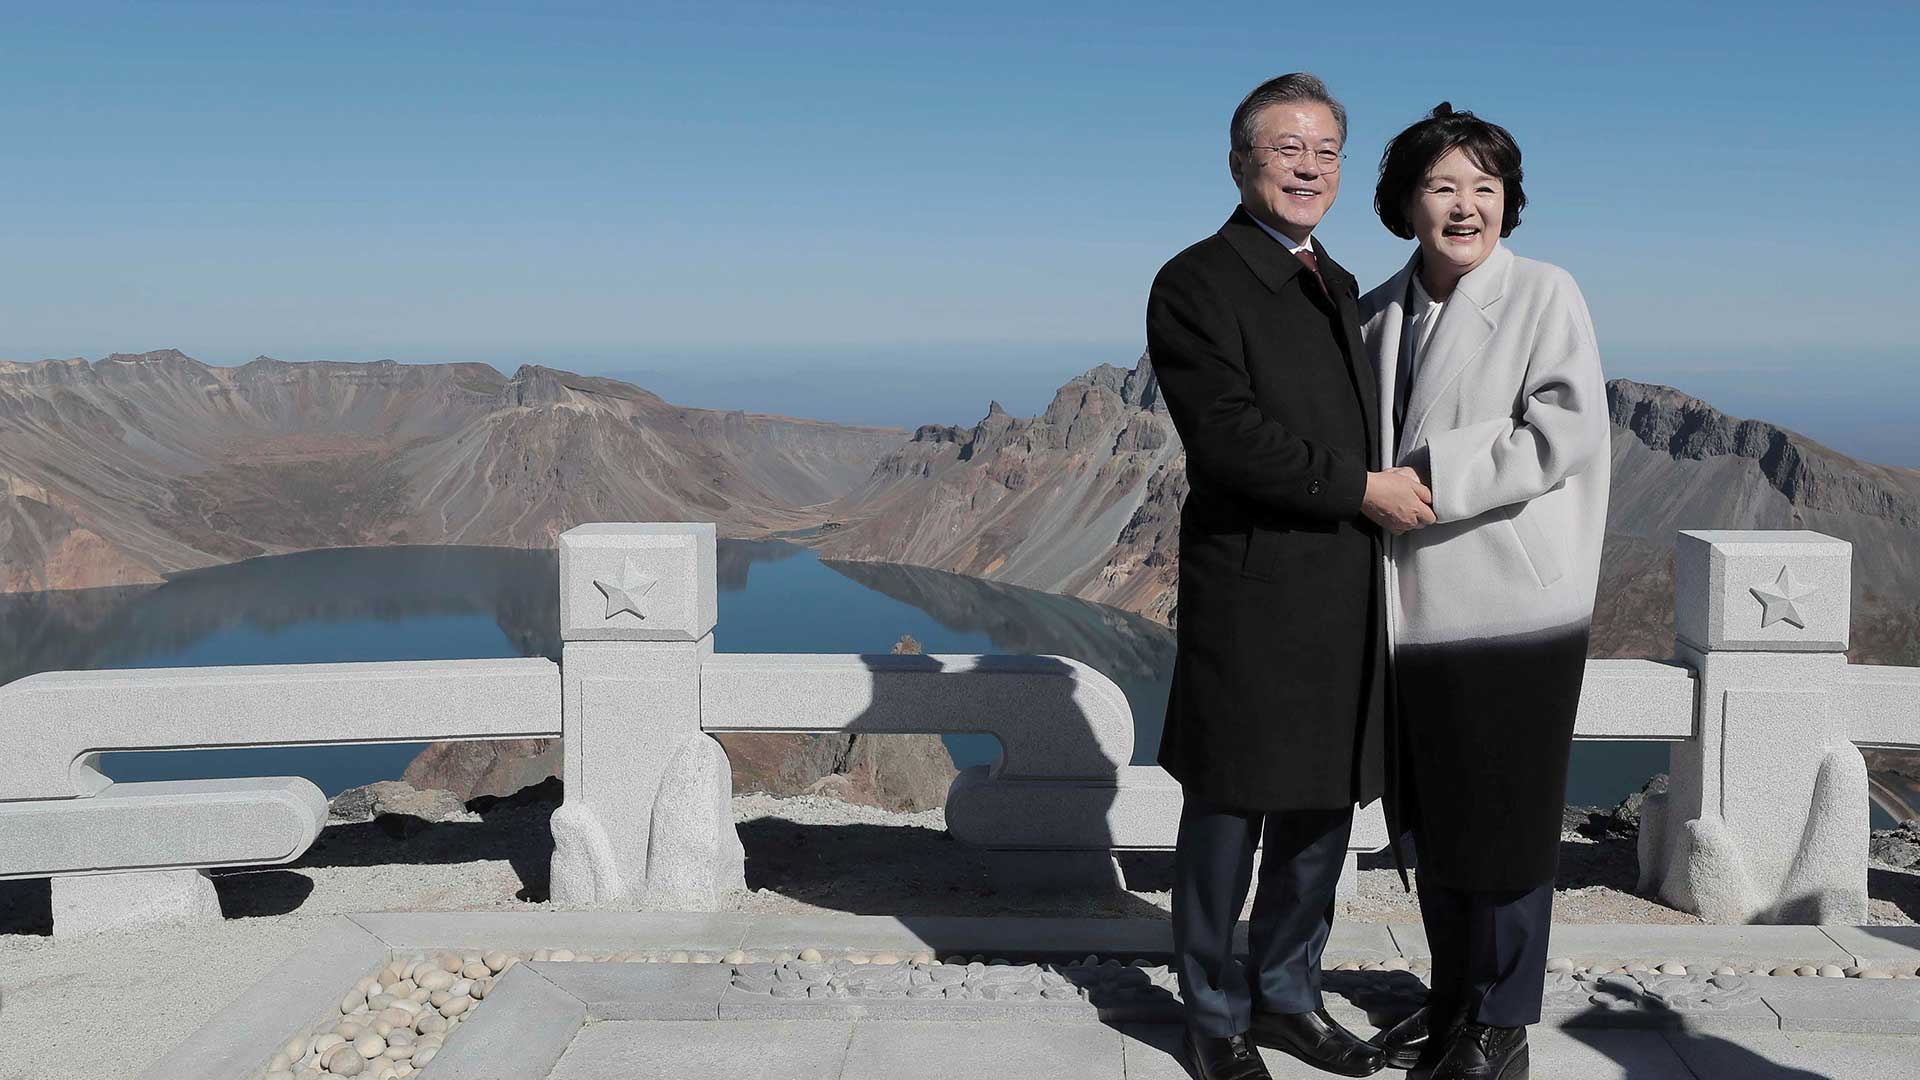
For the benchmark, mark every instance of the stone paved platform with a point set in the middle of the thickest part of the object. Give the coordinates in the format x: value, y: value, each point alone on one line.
x: 889, y: 1049
x: 687, y: 996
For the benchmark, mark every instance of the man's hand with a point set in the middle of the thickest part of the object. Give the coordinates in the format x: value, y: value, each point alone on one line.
x: 1397, y: 501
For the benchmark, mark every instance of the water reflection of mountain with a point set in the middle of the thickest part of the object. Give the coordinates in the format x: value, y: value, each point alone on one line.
x: 121, y: 627
x: 1123, y: 646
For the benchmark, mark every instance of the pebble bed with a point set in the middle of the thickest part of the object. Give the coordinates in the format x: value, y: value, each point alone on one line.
x: 392, y: 1023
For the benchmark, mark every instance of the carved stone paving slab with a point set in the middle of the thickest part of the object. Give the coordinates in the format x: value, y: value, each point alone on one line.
x: 1645, y: 999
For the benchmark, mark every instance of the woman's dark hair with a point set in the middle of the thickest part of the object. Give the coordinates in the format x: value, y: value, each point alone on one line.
x: 1413, y: 152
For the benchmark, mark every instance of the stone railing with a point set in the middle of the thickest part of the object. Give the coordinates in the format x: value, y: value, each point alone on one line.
x: 1765, y: 819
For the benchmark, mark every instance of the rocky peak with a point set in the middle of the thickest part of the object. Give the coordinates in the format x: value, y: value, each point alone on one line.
x: 46, y: 372
x: 1142, y: 387
x: 157, y: 356
x: 532, y: 386
x: 941, y: 433
x: 1807, y: 473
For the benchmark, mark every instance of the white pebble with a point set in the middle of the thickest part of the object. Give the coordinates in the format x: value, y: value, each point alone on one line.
x: 437, y: 980
x: 736, y: 957
x: 424, y: 1055
x: 886, y: 958
x: 463, y: 988
x: 496, y: 962
x: 475, y: 970
x: 561, y: 956
x: 1559, y: 963
x: 449, y: 962
x: 1672, y: 968
x: 1831, y: 971
x: 811, y: 956
x: 370, y: 1046
x: 456, y: 1006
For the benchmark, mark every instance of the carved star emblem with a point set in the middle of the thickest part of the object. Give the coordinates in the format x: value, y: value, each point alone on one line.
x: 1778, y: 601
x: 629, y: 594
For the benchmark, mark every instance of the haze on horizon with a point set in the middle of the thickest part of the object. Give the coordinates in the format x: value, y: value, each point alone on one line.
x: 876, y: 216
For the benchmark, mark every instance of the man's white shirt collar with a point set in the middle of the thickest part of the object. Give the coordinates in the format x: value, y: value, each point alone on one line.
x: 1285, y: 241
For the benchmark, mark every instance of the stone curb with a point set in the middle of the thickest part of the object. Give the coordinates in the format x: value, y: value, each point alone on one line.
x: 526, y: 1025
x: 304, y: 989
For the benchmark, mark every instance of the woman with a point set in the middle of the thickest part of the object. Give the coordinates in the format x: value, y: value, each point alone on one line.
x: 1489, y: 364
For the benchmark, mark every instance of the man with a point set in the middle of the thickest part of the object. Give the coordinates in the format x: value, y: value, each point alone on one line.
x: 1276, y: 722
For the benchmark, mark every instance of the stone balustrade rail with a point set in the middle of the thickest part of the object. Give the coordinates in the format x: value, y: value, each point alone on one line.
x: 1765, y: 819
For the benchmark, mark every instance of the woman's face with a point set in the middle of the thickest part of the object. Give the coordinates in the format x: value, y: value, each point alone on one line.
x: 1456, y: 213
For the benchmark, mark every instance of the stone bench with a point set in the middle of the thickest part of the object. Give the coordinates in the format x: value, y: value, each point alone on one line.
x: 138, y: 853
x: 131, y: 854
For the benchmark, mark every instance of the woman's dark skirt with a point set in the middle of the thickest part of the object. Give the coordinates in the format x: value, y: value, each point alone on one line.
x: 1486, y: 727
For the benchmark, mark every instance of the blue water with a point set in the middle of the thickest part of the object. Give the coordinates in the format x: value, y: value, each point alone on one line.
x: 424, y: 603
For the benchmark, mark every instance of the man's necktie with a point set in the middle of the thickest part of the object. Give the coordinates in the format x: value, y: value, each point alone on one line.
x: 1312, y: 262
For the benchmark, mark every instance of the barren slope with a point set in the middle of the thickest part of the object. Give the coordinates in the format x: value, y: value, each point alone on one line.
x: 120, y: 471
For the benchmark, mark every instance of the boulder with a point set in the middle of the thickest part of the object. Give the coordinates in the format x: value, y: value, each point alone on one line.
x: 397, y: 797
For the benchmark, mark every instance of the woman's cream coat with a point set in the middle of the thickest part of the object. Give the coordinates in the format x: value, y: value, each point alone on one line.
x: 1508, y: 415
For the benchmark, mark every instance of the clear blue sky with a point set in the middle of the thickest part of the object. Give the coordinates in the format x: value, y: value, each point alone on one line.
x: 798, y: 204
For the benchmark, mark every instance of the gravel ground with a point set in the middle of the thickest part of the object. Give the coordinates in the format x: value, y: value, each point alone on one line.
x: 109, y: 1004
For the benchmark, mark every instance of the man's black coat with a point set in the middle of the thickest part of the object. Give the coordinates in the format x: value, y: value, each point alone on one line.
x: 1279, y: 690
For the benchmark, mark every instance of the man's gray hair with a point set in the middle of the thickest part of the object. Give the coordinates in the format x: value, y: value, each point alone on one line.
x: 1297, y: 86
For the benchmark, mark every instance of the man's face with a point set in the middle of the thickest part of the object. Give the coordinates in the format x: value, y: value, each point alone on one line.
x: 1290, y: 197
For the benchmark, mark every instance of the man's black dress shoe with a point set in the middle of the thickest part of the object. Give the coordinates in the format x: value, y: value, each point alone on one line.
x: 1319, y: 1040
x: 1411, y: 1043
x: 1418, y: 1041
x: 1231, y: 1058
x: 1485, y: 1052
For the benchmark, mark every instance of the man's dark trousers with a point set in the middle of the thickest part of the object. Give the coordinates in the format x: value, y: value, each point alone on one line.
x: 1303, y: 851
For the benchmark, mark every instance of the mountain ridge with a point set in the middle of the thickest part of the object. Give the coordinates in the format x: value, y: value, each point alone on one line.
x: 121, y: 470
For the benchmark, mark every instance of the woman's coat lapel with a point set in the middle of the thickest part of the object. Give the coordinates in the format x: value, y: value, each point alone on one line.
x: 1465, y: 327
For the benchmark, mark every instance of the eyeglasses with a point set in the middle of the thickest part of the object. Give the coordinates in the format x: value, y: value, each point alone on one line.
x: 1290, y: 155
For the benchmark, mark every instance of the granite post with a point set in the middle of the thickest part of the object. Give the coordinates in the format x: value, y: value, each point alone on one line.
x: 1765, y: 818
x: 647, y: 816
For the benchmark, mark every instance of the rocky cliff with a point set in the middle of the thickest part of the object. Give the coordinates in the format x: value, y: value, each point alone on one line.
x: 120, y: 471
x: 1085, y: 500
